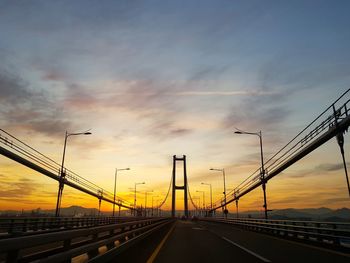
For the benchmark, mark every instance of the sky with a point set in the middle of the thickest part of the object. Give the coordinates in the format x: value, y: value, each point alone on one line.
x: 153, y: 79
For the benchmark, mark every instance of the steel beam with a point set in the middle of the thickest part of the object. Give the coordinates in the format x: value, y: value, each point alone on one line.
x: 43, y: 171
x: 332, y: 132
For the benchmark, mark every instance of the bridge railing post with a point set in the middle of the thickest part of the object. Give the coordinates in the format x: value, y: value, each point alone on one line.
x: 12, y: 256
x: 319, y: 231
x: 24, y: 227
x: 93, y: 252
x: 336, y: 240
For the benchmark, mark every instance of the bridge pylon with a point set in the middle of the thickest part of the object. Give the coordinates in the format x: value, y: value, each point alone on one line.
x: 175, y: 187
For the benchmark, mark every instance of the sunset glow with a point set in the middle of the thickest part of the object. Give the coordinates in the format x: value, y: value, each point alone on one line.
x: 153, y: 79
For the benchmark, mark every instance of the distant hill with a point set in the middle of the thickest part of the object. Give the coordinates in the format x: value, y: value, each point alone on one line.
x: 316, y: 211
x: 65, y: 211
x: 74, y: 211
x: 320, y: 214
x: 343, y: 213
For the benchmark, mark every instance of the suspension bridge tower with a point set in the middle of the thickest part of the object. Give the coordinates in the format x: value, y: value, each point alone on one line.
x: 175, y: 187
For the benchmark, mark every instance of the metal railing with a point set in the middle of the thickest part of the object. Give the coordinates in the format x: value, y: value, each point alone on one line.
x: 64, y: 245
x: 333, y: 120
x: 326, y: 233
x: 15, y: 149
x: 20, y: 226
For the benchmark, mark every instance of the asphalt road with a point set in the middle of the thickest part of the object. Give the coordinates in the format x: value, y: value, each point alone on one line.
x: 213, y: 242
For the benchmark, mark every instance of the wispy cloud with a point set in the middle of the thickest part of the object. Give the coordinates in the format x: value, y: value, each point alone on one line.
x: 146, y: 100
x: 28, y: 109
x: 322, y: 169
x: 330, y: 167
x: 226, y: 93
x: 21, y: 187
x: 258, y: 113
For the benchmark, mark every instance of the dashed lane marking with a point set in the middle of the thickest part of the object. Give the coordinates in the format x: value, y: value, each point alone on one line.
x: 246, y: 250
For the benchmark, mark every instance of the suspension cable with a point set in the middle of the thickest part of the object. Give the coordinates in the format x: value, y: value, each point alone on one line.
x: 166, y: 197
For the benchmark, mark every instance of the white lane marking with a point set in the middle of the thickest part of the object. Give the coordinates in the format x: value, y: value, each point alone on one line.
x: 246, y: 250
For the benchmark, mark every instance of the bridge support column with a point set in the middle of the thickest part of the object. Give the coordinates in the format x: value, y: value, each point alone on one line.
x: 60, y: 192
x: 99, y: 206
x: 175, y: 187
x: 263, y: 180
x: 237, y: 207
x: 340, y: 140
x: 100, y: 196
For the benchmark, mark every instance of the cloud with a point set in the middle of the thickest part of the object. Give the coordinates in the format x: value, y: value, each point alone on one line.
x: 147, y: 100
x: 322, y: 169
x: 286, y: 71
x: 28, y: 109
x: 13, y: 89
x: 224, y: 93
x: 336, y: 200
x: 54, y: 75
x: 313, y: 198
x: 330, y: 167
x: 132, y: 95
x: 20, y: 188
x: 180, y: 131
x: 255, y: 113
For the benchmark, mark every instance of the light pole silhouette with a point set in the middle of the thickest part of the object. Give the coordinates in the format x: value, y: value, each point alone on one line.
x: 115, y: 184
x: 136, y: 184
x: 262, y: 172
x: 224, y: 177
x: 146, y: 192
x: 63, y: 172
x: 203, y: 192
x: 211, y: 195
x: 153, y: 196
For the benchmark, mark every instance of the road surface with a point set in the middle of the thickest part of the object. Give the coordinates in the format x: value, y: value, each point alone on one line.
x: 187, y: 241
x: 215, y: 242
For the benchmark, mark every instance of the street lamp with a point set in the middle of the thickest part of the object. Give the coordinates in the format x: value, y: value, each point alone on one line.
x: 136, y: 184
x: 211, y: 195
x: 203, y: 192
x: 146, y: 192
x: 63, y: 173
x: 153, y: 196
x: 196, y: 206
x: 224, y: 176
x: 262, y: 173
x: 236, y: 202
x: 115, y: 184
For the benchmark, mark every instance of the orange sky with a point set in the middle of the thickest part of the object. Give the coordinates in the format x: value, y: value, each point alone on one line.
x: 156, y: 80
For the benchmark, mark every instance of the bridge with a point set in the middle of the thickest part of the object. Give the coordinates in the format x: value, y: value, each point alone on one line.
x: 205, y: 234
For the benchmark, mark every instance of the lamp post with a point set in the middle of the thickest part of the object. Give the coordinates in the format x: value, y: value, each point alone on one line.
x: 159, y: 211
x: 203, y: 192
x: 63, y: 172
x: 115, y: 184
x: 197, y: 209
x: 224, y: 177
x: 136, y: 184
x: 236, y: 203
x: 340, y: 140
x: 262, y: 172
x: 146, y: 192
x: 100, y: 196
x: 152, y: 202
x: 211, y: 195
